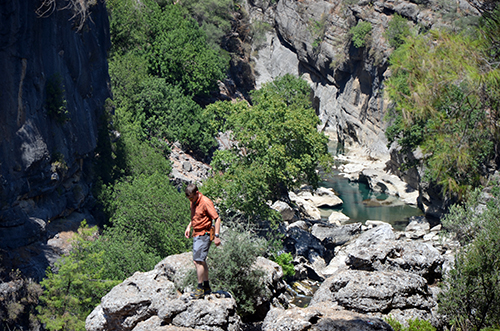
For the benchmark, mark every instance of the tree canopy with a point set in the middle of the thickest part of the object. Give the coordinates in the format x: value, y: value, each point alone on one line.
x: 277, y: 146
x: 446, y: 90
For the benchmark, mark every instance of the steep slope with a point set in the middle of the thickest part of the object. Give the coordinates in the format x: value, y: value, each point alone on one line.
x: 53, y: 86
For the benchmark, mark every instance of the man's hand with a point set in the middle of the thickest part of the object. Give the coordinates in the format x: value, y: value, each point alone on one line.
x: 188, y: 231
x: 217, y: 241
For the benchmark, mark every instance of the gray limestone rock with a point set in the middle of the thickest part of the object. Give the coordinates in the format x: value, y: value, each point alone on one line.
x: 287, y: 212
x: 153, y: 296
x: 376, y: 292
x: 390, y: 255
x: 324, y: 316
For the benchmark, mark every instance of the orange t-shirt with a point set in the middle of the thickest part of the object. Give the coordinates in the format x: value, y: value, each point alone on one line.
x: 202, y: 214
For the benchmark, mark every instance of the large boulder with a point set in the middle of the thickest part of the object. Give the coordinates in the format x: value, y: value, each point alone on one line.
x: 301, y: 242
x: 287, y: 212
x: 306, y: 207
x: 152, y: 300
x: 376, y: 292
x: 322, y: 197
x: 324, y: 316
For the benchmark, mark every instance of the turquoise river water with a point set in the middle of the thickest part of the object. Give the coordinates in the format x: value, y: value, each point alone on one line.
x: 362, y: 204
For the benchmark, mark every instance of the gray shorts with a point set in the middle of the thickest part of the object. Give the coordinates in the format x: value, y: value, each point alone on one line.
x: 201, y: 244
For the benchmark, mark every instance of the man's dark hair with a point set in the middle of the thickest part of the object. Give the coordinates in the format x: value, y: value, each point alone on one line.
x: 190, y: 189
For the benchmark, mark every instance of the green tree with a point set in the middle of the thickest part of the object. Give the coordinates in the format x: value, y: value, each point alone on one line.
x: 71, y: 293
x: 128, y: 24
x: 278, y: 148
x: 213, y: 16
x: 446, y: 101
x: 179, y: 52
x: 164, y: 112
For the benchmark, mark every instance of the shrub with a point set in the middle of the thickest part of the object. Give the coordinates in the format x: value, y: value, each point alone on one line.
x: 151, y: 208
x: 471, y: 294
x: 360, y: 33
x: 121, y: 253
x: 413, y: 325
x: 231, y: 268
x: 164, y: 112
x: 397, y: 30
x: 285, y: 261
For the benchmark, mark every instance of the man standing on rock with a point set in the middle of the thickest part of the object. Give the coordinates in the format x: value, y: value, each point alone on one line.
x: 203, y: 214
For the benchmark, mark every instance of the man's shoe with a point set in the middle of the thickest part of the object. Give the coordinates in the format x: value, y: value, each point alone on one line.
x: 207, y: 290
x: 199, y: 293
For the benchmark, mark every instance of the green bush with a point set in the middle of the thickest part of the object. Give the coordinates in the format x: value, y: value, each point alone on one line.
x: 164, y: 112
x: 471, y: 291
x: 397, y: 30
x: 285, y: 261
x: 231, y: 268
x: 121, y: 253
x: 151, y: 208
x: 414, y: 324
x: 360, y: 33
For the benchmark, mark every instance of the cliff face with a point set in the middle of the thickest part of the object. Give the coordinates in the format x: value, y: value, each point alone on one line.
x: 53, y: 85
x: 312, y: 38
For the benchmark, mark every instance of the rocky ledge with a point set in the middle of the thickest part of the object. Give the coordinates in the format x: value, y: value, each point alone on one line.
x: 365, y: 274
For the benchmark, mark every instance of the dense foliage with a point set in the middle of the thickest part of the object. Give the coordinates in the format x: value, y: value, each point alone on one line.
x: 397, y: 30
x: 360, y: 33
x: 231, y: 268
x: 158, y: 68
x: 278, y: 147
x: 446, y: 89
x: 471, y: 296
x: 74, y: 291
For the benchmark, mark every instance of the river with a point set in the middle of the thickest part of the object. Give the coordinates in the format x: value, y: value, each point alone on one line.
x: 362, y: 204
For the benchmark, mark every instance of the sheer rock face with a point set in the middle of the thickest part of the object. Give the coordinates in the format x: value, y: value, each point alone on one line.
x: 46, y: 160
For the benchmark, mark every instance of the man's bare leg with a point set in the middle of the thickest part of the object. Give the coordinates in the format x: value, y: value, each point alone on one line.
x: 201, y: 271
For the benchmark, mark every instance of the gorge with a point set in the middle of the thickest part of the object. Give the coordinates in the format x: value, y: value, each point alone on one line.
x: 56, y: 95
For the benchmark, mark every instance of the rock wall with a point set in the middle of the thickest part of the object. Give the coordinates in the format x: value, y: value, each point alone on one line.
x: 45, y: 158
x: 311, y: 39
